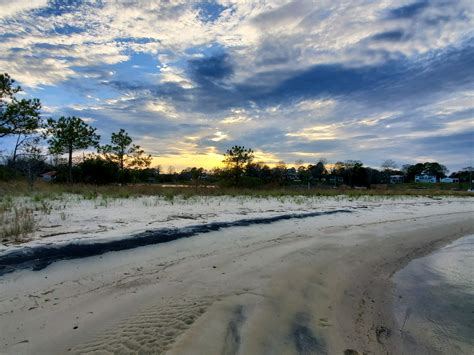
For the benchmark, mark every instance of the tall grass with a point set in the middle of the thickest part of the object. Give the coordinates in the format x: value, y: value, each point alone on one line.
x: 16, y: 224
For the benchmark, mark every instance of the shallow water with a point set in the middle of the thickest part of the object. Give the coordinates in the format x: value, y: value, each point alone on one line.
x: 434, y: 300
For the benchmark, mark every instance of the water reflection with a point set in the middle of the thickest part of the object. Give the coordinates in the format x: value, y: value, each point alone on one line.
x: 434, y: 303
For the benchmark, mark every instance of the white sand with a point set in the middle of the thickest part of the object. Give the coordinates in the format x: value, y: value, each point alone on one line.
x: 72, y: 218
x: 291, y: 286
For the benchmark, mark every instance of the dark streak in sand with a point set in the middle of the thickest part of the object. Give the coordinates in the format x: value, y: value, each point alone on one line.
x: 232, y: 338
x: 304, y: 338
x: 38, y: 257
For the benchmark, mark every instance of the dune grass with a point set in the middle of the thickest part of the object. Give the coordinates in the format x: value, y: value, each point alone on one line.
x: 44, y: 191
x: 16, y: 223
x: 22, y: 209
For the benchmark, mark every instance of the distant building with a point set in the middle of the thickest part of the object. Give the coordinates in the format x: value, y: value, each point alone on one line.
x: 291, y: 174
x: 449, y: 180
x: 49, y: 176
x: 425, y: 178
x: 336, y: 179
x: 397, y: 179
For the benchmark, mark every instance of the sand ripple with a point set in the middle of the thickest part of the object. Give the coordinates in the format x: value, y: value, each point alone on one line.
x: 152, y: 330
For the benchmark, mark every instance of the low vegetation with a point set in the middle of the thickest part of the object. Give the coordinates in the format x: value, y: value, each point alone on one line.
x: 16, y: 223
x: 24, y: 210
x: 45, y: 190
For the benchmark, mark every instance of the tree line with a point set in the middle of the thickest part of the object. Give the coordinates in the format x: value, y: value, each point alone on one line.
x: 21, y: 119
x: 122, y: 161
x: 242, y: 170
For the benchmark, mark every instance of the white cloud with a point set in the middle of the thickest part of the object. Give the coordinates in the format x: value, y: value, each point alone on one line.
x: 258, y: 35
x: 455, y: 103
x: 316, y: 105
x: 162, y: 107
x: 318, y: 132
x: 88, y: 119
x: 11, y: 8
x: 170, y: 74
x: 219, y: 136
x: 236, y: 119
x: 376, y: 119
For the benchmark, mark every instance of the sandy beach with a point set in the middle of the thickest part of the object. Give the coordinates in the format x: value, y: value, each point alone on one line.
x: 320, y: 284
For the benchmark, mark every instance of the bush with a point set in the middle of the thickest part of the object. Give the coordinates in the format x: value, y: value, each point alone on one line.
x: 7, y: 173
x: 97, y: 171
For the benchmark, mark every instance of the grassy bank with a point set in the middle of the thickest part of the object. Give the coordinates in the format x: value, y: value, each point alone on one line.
x: 43, y: 190
x: 23, y: 211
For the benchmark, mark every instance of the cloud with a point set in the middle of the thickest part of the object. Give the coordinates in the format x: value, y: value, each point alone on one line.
x: 215, y: 67
x: 392, y: 36
x: 313, y: 105
x: 408, y: 11
x: 162, y: 107
x: 290, y: 79
x: 12, y: 8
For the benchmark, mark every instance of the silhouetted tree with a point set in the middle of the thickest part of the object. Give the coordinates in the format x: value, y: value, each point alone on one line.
x: 388, y: 166
x: 31, y: 162
x: 353, y: 172
x: 69, y: 134
x: 125, y: 154
x: 259, y: 172
x: 236, y: 159
x: 430, y: 168
x: 192, y: 174
x: 96, y: 170
x: 303, y: 173
x: 436, y: 169
x: 279, y: 172
x: 17, y: 117
x: 464, y: 175
x: 411, y: 170
x: 318, y: 170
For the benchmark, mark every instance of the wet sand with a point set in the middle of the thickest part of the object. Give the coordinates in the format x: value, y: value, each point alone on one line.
x: 316, y: 285
x: 434, y: 300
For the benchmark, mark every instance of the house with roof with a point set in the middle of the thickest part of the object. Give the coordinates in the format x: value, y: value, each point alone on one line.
x: 426, y: 178
x: 449, y: 180
x: 49, y: 176
x: 397, y: 179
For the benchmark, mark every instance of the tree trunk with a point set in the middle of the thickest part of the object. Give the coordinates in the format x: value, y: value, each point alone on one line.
x: 70, y: 165
x: 121, y: 157
x: 15, y: 150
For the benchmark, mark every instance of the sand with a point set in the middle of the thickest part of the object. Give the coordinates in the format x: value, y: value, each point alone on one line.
x: 314, y: 285
x: 74, y: 218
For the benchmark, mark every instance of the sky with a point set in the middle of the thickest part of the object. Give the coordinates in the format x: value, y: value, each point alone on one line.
x: 300, y: 80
